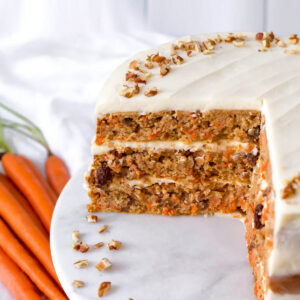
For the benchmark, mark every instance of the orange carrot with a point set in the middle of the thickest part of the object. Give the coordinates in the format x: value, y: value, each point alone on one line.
x: 27, y: 263
x: 24, y: 178
x: 16, y: 216
x: 57, y: 173
x: 15, y: 280
x: 41, y: 178
x: 6, y: 181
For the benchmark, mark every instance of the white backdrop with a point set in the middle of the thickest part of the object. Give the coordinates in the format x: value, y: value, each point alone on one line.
x: 56, y: 54
x: 174, y: 17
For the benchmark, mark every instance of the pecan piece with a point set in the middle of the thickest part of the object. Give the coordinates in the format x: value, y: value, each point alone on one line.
x: 128, y: 91
x: 83, y: 247
x: 75, y: 236
x: 130, y: 76
x: 92, y: 218
x: 81, y: 264
x: 114, y: 245
x: 164, y: 69
x: 104, y: 264
x: 134, y: 65
x: 177, y: 60
x: 259, y: 36
x: 151, y: 92
x: 293, y: 39
x: 104, y: 288
x: 103, y: 228
x: 75, y: 246
x: 98, y: 245
x: 149, y: 65
x: 239, y: 44
x: 78, y: 283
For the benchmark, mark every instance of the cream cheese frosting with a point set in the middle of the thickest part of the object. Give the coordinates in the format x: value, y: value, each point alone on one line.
x: 159, y: 145
x: 234, y: 78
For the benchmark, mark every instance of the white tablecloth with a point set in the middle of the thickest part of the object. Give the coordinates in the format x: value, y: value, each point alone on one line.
x: 55, y: 83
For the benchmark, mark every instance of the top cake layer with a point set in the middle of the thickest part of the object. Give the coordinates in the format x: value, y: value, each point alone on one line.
x: 227, y: 71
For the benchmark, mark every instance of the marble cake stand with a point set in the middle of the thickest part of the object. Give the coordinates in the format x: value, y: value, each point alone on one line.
x: 162, y: 258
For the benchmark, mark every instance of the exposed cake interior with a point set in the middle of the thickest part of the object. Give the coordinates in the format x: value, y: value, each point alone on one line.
x: 188, y: 163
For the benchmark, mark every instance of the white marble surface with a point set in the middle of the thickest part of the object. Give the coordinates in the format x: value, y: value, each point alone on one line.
x: 162, y: 257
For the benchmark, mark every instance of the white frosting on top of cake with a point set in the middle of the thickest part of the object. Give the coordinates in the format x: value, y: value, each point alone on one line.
x: 234, y: 78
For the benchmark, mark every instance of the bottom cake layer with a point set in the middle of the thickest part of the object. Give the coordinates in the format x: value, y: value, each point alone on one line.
x: 169, y: 198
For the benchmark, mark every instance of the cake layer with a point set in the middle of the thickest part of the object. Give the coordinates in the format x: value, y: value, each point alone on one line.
x: 168, y: 198
x: 233, y: 164
x: 179, y: 126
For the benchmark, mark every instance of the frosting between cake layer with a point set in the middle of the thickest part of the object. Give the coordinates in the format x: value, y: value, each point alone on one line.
x: 234, y: 78
x: 159, y: 145
x: 155, y: 180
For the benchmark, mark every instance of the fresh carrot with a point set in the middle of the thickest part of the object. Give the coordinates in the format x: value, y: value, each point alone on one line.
x: 16, y: 216
x: 27, y: 182
x: 19, y: 197
x: 57, y: 173
x: 28, y: 263
x: 15, y: 280
x: 56, y: 170
x: 41, y: 178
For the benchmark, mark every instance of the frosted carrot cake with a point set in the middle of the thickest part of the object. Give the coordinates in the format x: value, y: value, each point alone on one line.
x: 209, y: 124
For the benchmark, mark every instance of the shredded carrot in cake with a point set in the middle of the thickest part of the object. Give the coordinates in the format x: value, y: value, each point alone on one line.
x: 99, y: 140
x: 264, y: 166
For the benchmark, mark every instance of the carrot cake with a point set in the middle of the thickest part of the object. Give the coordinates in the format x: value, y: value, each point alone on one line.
x: 209, y: 124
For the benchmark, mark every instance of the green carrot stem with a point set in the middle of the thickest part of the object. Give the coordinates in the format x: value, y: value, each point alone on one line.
x: 35, y: 132
x: 32, y: 137
x: 3, y: 145
x: 26, y: 120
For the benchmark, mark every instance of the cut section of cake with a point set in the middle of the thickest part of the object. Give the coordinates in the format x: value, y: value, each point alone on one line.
x: 209, y: 124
